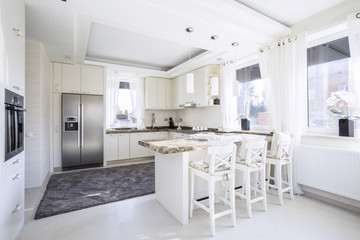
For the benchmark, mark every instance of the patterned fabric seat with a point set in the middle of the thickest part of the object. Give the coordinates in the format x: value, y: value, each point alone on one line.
x: 283, y: 157
x: 204, y: 166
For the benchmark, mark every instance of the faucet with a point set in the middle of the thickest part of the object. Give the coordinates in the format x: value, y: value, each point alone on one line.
x: 152, y: 120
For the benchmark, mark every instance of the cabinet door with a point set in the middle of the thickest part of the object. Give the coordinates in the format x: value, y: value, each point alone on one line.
x: 57, y: 77
x: 124, y: 146
x: 161, y: 95
x: 57, y: 129
x: 92, y: 80
x: 151, y: 93
x: 137, y: 151
x: 70, y: 78
x: 111, y: 147
x: 169, y: 94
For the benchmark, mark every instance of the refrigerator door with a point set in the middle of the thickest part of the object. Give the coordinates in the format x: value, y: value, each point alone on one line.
x: 91, y: 129
x: 70, y: 137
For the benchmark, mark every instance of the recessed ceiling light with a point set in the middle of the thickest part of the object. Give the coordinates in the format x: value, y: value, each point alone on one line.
x: 219, y: 59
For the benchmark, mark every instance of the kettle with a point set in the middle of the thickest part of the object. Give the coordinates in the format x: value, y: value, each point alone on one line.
x: 216, y: 101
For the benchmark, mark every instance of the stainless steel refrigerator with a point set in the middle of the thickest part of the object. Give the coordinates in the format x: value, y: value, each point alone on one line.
x: 82, y: 130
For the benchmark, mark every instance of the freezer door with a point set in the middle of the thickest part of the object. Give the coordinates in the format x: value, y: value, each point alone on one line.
x: 70, y: 138
x: 91, y: 129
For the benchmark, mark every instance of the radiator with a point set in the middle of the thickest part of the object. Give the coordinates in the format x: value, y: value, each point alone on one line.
x: 332, y: 170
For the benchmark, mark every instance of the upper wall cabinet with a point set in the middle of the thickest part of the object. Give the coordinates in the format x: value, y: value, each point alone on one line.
x: 158, y: 93
x: 84, y: 79
x: 13, y: 25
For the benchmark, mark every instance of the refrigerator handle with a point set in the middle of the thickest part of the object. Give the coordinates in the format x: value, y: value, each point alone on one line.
x: 78, y: 140
x: 82, y: 125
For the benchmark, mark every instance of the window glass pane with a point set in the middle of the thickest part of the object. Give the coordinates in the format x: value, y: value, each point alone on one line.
x: 251, y: 101
x: 126, y: 107
x: 328, y: 66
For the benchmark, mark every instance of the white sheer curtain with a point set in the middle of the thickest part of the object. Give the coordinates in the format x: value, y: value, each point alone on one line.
x: 228, y: 101
x: 353, y: 24
x: 284, y: 64
x: 136, y: 95
x: 112, y: 86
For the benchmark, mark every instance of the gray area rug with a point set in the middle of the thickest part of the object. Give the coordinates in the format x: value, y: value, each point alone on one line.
x: 73, y: 191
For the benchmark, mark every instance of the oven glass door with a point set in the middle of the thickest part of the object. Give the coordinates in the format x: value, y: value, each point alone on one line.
x: 14, y: 131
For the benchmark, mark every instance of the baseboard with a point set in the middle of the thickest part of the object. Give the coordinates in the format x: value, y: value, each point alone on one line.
x: 347, y: 203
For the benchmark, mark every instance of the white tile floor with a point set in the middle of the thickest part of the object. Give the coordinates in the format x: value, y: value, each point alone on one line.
x: 144, y: 218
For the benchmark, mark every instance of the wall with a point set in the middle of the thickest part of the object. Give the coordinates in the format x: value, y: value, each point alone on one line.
x: 328, y: 18
x: 205, y: 116
x: 37, y: 118
x: 160, y: 115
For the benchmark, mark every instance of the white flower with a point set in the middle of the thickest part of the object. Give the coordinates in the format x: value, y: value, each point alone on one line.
x: 340, y: 103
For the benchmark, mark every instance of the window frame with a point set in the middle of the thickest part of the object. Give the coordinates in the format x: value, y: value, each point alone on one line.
x: 315, y: 39
x: 244, y: 65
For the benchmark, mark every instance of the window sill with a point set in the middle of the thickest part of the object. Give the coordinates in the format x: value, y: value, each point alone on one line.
x: 331, y: 141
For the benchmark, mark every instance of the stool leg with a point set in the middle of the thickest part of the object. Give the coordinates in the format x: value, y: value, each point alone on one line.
x: 211, y: 207
x: 248, y: 193
x: 268, y: 176
x: 232, y: 199
x: 279, y: 183
x: 191, y: 192
x: 263, y: 188
x: 289, y: 166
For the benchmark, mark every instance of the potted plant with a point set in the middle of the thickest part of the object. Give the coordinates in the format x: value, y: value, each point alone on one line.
x: 340, y: 103
x: 120, y: 115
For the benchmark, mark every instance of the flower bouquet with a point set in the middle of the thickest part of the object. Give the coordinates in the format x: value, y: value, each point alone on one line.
x: 340, y: 103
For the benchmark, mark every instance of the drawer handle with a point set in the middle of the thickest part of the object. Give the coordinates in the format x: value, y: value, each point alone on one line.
x: 16, y: 209
x: 17, y: 88
x: 16, y: 161
x: 17, y: 32
x: 16, y: 177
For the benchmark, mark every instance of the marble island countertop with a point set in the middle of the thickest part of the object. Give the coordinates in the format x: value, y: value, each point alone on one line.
x: 167, y: 146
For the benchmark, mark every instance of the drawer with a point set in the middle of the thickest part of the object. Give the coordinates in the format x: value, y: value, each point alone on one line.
x: 13, y: 204
x: 12, y: 164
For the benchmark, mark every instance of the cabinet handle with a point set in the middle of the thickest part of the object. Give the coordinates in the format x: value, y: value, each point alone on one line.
x: 17, y: 32
x: 17, y: 88
x: 16, y: 209
x: 16, y: 161
x: 16, y: 177
x: 57, y: 87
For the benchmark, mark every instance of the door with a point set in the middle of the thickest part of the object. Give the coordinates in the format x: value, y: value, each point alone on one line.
x: 70, y: 137
x: 91, y: 127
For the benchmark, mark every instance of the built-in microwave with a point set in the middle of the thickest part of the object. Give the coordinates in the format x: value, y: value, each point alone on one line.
x: 14, y: 124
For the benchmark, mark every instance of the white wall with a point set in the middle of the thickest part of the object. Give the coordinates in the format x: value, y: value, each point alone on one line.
x: 37, y: 118
x: 205, y: 116
x: 160, y: 115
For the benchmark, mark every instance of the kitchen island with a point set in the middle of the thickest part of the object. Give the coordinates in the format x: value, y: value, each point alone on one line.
x: 171, y: 172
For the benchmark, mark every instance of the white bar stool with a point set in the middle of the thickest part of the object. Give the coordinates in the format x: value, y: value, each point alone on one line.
x: 253, y: 163
x: 282, y: 158
x: 220, y: 167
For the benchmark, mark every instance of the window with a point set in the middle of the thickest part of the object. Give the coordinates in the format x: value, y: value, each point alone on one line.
x: 251, y: 101
x: 328, y: 70
x: 126, y: 105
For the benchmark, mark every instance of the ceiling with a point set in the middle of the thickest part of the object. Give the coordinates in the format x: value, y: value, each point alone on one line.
x: 149, y: 37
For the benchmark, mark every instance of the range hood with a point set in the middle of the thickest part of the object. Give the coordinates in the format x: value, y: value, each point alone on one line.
x: 188, y: 105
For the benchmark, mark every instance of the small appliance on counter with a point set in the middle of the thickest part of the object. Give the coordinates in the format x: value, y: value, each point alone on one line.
x: 216, y: 101
x: 171, y: 123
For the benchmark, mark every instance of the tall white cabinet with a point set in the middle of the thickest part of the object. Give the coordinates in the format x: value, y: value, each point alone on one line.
x: 12, y: 74
x: 158, y: 93
x: 76, y: 79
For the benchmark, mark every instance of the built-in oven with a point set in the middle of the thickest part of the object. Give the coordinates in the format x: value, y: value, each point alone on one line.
x: 14, y: 124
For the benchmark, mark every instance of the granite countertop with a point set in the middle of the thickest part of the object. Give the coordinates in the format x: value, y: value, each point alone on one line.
x: 186, y: 130
x: 174, y: 145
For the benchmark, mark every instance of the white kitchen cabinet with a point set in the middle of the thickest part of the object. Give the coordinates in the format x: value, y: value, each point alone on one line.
x: 92, y: 80
x: 13, y: 25
x: 137, y: 151
x: 178, y: 91
x: 70, y: 78
x: 158, y: 93
x: 123, y: 146
x: 117, y: 146
x: 13, y: 197
x: 57, y: 76
x: 169, y: 94
x: 57, y: 129
x: 111, y: 147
